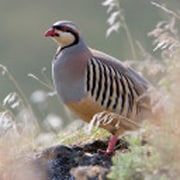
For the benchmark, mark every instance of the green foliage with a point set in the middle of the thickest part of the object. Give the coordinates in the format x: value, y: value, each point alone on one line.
x: 70, y: 137
x: 138, y: 163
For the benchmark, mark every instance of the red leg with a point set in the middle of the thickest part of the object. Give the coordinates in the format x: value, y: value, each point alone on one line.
x: 111, y: 145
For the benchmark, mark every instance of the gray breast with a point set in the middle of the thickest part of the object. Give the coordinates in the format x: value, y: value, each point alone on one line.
x: 69, y: 73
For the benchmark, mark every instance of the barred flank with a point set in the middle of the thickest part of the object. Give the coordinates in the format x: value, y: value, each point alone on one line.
x: 110, y: 88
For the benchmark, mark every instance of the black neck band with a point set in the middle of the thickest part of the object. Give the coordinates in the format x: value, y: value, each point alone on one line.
x: 76, y: 40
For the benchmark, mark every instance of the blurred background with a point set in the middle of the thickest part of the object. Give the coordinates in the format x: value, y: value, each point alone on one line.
x: 24, y: 50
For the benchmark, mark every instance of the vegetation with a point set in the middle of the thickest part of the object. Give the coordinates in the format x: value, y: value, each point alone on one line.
x: 157, y: 158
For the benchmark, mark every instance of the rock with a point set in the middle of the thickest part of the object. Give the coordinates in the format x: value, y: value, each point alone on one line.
x: 89, y: 172
x: 81, y: 162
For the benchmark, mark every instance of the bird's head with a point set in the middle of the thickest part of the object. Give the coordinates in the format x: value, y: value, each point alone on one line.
x: 65, y: 33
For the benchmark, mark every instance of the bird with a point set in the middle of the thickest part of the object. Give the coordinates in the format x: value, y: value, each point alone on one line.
x: 95, y: 85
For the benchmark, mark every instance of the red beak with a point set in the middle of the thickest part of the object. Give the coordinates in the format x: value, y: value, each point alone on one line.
x: 50, y: 33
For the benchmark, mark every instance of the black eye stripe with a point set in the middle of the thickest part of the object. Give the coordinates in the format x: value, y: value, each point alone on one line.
x: 63, y: 28
x: 57, y: 27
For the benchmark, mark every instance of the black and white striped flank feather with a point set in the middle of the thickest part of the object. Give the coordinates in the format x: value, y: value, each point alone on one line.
x: 111, y: 89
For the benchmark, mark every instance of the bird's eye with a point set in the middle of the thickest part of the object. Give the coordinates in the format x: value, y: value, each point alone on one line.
x: 64, y: 28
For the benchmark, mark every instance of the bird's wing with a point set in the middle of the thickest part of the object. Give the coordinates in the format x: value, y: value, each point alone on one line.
x: 140, y: 82
x: 113, y: 85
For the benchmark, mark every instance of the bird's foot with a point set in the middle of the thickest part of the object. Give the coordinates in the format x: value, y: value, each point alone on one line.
x: 105, y: 152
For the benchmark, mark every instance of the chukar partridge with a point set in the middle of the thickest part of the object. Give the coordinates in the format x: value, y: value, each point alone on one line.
x: 92, y: 83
